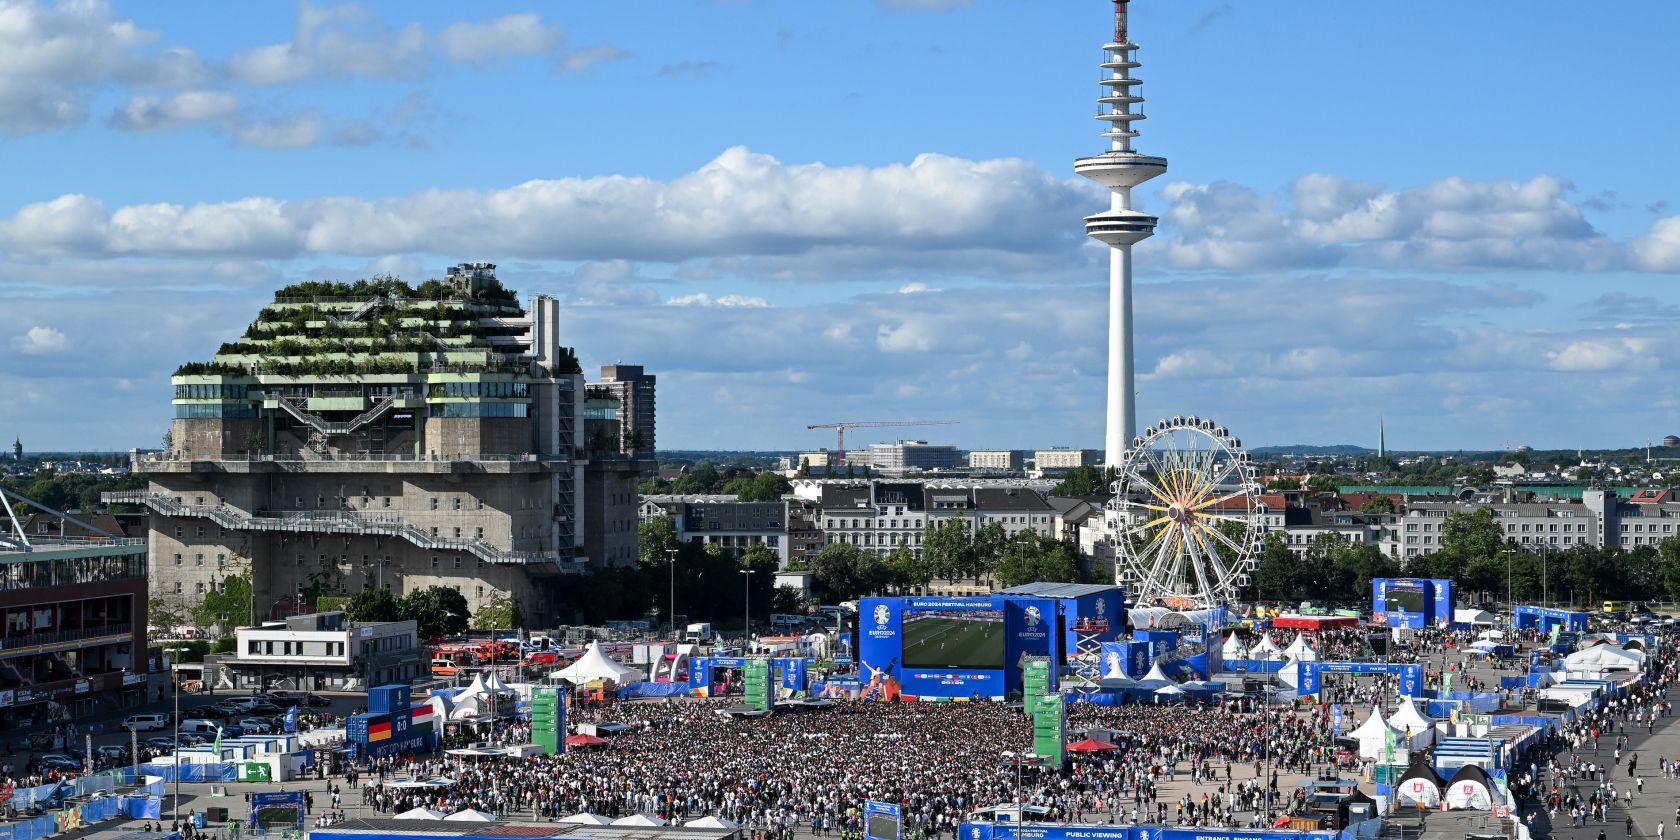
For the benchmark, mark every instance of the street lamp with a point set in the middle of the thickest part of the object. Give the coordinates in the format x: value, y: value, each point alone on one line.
x: 175, y: 669
x: 671, y: 561
x: 746, y: 629
x: 1018, y: 759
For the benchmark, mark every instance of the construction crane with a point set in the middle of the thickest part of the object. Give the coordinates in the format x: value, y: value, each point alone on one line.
x: 840, y: 430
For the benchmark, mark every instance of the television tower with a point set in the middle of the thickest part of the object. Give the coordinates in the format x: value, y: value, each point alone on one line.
x: 1120, y: 227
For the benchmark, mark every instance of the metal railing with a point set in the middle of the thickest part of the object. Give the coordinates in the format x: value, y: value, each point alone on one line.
x: 339, y: 521
x: 381, y: 404
x: 14, y: 642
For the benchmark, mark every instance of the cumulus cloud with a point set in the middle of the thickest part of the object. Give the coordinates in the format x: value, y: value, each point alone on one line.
x: 150, y: 113
x: 1326, y: 220
x: 1603, y: 354
x: 584, y: 59
x: 741, y: 203
x: 1659, y: 248
x: 289, y: 131
x: 726, y: 301
x: 334, y: 42
x: 494, y: 41
x: 39, y: 340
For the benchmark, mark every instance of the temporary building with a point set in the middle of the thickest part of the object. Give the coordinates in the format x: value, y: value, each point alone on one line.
x: 594, y: 665
x: 1373, y: 736
x: 1420, y: 786
x: 1471, y: 789
x: 587, y: 819
x: 1156, y: 678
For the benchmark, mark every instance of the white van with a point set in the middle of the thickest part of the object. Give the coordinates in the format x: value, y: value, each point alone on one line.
x: 146, y: 723
x: 200, y: 726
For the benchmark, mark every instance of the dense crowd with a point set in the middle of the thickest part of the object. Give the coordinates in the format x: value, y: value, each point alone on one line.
x: 814, y: 769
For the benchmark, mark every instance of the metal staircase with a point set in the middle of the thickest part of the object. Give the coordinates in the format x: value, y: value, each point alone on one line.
x: 333, y: 522
x: 295, y: 407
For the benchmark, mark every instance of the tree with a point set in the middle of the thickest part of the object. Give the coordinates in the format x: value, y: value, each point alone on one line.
x: 947, y: 549
x: 1668, y: 566
x: 1028, y: 557
x: 905, y: 569
x: 373, y: 604
x: 229, y: 602
x: 1275, y: 576
x: 436, y: 611
x: 1323, y: 483
x: 764, y: 487
x: 1284, y: 484
x: 761, y: 564
x: 499, y: 613
x: 845, y: 571
x: 1377, y: 504
x: 159, y: 615
x: 1085, y: 481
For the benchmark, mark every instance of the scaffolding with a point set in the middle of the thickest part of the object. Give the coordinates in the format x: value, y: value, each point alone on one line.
x: 1088, y: 634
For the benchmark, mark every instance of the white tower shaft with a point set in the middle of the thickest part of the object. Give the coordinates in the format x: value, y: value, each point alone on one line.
x: 1120, y: 169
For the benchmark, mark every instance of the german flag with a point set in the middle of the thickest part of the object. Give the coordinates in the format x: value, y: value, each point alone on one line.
x: 380, y: 731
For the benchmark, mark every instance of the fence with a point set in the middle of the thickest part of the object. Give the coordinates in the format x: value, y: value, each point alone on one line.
x: 66, y: 819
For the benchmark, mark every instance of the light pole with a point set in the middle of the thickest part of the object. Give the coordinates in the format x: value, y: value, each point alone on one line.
x: 671, y: 561
x: 175, y: 671
x: 1019, y: 759
x: 746, y: 629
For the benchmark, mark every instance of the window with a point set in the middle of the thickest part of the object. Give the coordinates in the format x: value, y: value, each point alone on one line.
x: 199, y: 587
x: 481, y: 592
x: 181, y: 532
x: 481, y: 504
x: 177, y: 587
x: 434, y: 503
x: 300, y: 503
x: 199, y: 558
x: 434, y: 563
x: 457, y: 562
x: 199, y: 532
x: 478, y: 533
x: 221, y: 560
x: 457, y: 532
x: 177, y: 559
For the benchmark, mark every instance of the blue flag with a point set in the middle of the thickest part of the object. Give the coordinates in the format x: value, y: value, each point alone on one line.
x: 290, y: 723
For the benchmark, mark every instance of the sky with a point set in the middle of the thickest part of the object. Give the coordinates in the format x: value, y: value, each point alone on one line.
x: 1461, y: 218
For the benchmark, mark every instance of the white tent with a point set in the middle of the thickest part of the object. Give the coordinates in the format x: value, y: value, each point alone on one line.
x: 1471, y: 789
x: 1600, y: 658
x: 1414, y: 723
x: 465, y: 706
x: 419, y: 814
x: 1421, y: 786
x: 1265, y: 649
x: 1290, y: 674
x: 639, y: 821
x: 594, y: 665
x: 470, y: 815
x: 711, y: 822
x: 494, y: 683
x: 1156, y: 678
x: 1476, y: 617
x: 1300, y: 651
x: 1233, y: 648
x: 474, y: 689
x: 1169, y: 691
x: 1372, y: 736
x: 587, y: 819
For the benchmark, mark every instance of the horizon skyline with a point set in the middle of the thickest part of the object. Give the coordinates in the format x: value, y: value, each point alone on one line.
x: 782, y: 248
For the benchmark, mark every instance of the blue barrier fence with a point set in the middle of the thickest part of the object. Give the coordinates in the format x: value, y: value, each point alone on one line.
x: 189, y: 773
x: 655, y: 689
x: 66, y: 819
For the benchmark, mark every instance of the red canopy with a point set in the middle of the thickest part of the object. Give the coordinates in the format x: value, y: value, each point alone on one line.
x: 582, y: 740
x: 1090, y: 745
x: 1314, y: 623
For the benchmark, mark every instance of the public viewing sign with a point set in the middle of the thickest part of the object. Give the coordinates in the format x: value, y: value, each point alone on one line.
x: 881, y: 820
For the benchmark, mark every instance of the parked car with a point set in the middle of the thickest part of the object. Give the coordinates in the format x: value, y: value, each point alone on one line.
x: 146, y: 723
x: 189, y: 738
x: 318, y: 702
x: 112, y: 753
x: 260, y: 726
x: 263, y: 708
x: 59, y: 761
x: 160, y: 743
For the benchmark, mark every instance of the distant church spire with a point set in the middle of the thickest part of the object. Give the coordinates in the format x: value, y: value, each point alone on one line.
x: 1382, y: 438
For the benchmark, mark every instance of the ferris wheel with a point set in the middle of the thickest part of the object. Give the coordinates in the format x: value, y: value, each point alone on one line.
x: 1189, y: 515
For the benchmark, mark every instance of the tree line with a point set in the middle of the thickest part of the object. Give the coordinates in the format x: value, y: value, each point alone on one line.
x: 949, y: 552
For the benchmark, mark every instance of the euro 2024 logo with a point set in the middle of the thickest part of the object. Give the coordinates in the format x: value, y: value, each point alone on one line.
x: 883, y: 614
x: 1032, y: 616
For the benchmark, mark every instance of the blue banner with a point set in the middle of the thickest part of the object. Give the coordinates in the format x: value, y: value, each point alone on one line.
x: 290, y: 722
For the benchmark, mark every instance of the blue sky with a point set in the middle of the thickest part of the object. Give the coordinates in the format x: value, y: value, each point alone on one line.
x: 1462, y: 217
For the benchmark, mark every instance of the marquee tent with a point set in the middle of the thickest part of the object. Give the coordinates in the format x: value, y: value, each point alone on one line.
x: 587, y: 819
x: 594, y: 665
x: 419, y: 814
x: 585, y: 740
x: 470, y: 815
x: 1471, y: 789
x: 1373, y: 735
x: 1408, y: 719
x: 1474, y: 617
x: 1156, y: 678
x: 1300, y: 651
x: 1600, y: 658
x: 711, y: 822
x: 1233, y: 648
x: 1290, y: 674
x: 639, y: 821
x: 494, y: 683
x: 1090, y: 745
x: 1420, y: 786
x: 1265, y: 649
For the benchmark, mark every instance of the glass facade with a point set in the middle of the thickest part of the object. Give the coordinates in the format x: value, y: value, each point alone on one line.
x: 481, y: 409
x: 215, y: 411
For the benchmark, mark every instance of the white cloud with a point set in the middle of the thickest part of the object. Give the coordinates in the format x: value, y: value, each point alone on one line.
x: 1604, y: 354
x: 1325, y: 220
x: 39, y: 340
x: 291, y: 131
x: 741, y: 203
x: 150, y: 113
x: 725, y: 301
x: 1659, y: 248
x: 496, y: 40
x: 584, y: 59
x: 335, y: 42
x: 915, y: 288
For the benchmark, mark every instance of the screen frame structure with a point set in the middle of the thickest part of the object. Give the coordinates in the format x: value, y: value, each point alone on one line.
x: 885, y: 813
x: 993, y: 616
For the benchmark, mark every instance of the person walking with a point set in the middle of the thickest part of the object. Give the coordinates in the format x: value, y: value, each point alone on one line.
x: 1628, y: 828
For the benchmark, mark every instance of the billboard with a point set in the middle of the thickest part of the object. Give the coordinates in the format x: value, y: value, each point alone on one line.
x: 882, y: 820
x: 1411, y: 603
x: 1312, y: 680
x: 952, y: 647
